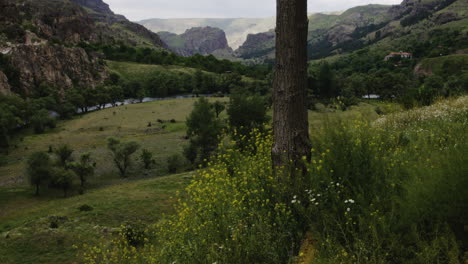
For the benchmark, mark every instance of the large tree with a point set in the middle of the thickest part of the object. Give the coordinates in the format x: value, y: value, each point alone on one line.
x: 290, y: 123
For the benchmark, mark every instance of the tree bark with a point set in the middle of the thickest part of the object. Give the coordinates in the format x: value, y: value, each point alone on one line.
x: 290, y: 120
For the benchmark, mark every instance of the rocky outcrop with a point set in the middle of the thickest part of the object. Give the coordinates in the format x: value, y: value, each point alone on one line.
x: 110, y: 25
x: 257, y: 45
x: 57, y: 66
x: 58, y: 20
x: 198, y: 40
x: 71, y: 22
x: 4, y: 86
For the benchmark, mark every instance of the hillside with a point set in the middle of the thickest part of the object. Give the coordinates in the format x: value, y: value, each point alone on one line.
x: 38, y: 43
x: 383, y: 27
x: 197, y: 40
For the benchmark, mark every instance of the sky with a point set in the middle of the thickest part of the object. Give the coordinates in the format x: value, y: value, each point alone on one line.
x: 136, y: 10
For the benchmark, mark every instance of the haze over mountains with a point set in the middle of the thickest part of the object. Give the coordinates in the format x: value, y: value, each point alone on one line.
x: 236, y: 29
x: 329, y: 34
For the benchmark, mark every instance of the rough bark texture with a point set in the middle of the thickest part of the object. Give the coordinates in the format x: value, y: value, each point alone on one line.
x: 290, y: 123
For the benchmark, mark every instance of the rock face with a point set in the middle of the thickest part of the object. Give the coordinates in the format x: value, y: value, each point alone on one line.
x: 4, y: 86
x: 198, y: 40
x: 110, y: 25
x: 58, y: 20
x: 39, y: 39
x: 257, y: 45
x: 55, y: 65
x: 236, y: 29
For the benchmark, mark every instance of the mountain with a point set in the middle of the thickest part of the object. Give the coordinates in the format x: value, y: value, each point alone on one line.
x: 197, y: 40
x: 39, y: 42
x: 236, y: 29
x: 371, y: 25
x: 325, y: 31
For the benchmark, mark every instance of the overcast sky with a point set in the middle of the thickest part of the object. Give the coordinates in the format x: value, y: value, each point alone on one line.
x: 141, y: 9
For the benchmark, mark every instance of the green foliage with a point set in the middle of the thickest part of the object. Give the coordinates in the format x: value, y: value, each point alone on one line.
x: 230, y: 214
x: 64, y: 154
x: 122, y: 152
x: 38, y: 168
x: 149, y: 56
x: 84, y: 169
x: 218, y: 108
x: 246, y: 113
x: 390, y: 191
x: 175, y: 163
x: 62, y: 179
x: 204, y: 130
x: 146, y: 157
x: 40, y: 120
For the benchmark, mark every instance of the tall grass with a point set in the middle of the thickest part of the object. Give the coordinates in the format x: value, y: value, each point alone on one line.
x: 391, y: 191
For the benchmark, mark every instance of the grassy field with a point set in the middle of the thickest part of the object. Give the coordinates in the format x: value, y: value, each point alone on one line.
x: 25, y: 233
x: 25, y: 220
x: 88, y: 133
x: 138, y: 71
x: 26, y: 236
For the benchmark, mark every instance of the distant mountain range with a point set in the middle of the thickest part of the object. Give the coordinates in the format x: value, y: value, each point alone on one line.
x: 236, y: 29
x: 329, y: 34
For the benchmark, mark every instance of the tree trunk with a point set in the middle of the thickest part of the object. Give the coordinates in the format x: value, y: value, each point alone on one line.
x: 290, y: 120
x: 37, y: 189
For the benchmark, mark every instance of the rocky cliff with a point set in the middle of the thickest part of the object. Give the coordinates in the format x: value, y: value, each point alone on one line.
x: 257, y: 45
x: 58, y: 66
x: 198, y: 40
x: 40, y: 40
x: 117, y: 27
x: 4, y: 85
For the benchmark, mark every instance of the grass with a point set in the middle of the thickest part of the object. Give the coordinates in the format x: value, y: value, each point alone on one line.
x: 138, y: 71
x: 390, y: 190
x: 26, y: 219
x: 84, y: 134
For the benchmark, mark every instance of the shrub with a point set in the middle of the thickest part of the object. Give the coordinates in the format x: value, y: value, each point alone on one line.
x: 390, y: 192
x: 62, y: 179
x: 175, y: 162
x: 85, y: 208
x: 122, y: 152
x: 146, y: 157
x: 38, y: 168
x: 232, y: 213
x: 64, y: 154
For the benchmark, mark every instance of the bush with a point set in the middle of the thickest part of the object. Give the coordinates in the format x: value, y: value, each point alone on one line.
x: 85, y: 208
x: 122, y: 152
x: 232, y: 213
x: 146, y: 157
x: 175, y: 162
x: 38, y: 168
x: 390, y: 192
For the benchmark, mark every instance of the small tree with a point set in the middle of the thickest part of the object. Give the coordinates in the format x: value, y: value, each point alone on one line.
x: 175, y: 162
x: 64, y: 154
x: 218, y: 107
x: 204, y: 130
x: 246, y: 113
x: 122, y: 153
x: 62, y: 179
x: 146, y: 157
x: 41, y: 119
x: 83, y: 169
x: 38, y: 168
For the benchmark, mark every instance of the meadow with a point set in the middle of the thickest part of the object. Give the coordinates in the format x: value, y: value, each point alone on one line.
x: 202, y: 211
